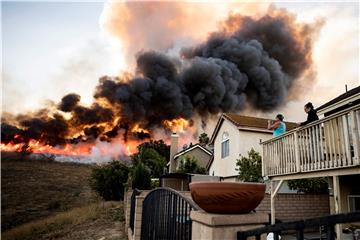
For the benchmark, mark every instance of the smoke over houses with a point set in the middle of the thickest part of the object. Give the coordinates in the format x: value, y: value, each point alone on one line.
x: 248, y: 61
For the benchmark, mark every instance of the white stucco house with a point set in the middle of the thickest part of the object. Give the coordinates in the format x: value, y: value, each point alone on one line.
x: 235, y: 135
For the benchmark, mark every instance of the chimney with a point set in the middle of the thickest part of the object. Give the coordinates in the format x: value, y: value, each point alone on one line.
x: 173, y: 151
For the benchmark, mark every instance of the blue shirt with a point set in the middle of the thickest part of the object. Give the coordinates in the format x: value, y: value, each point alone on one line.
x: 280, y: 130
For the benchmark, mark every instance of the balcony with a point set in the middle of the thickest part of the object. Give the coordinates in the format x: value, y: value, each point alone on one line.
x: 329, y: 144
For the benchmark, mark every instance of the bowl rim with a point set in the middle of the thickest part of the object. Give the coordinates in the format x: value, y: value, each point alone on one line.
x: 228, y: 183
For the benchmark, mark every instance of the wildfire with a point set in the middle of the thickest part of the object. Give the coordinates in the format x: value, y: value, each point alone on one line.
x: 138, y: 129
x: 176, y: 125
x: 34, y: 146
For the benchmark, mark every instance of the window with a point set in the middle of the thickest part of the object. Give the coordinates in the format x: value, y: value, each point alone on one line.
x: 225, y: 145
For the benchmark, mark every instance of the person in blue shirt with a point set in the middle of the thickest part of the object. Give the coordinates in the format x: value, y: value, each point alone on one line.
x: 278, y: 126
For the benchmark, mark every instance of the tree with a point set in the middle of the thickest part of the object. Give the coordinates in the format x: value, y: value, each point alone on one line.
x: 311, y: 185
x: 141, y: 177
x: 190, y: 164
x: 159, y: 146
x: 109, y: 180
x: 249, y: 167
x: 204, y: 139
x: 152, y: 159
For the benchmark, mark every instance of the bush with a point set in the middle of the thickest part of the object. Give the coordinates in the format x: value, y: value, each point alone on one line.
x: 311, y: 185
x: 109, y: 180
x: 189, y: 164
x: 141, y: 177
x: 152, y: 159
x: 249, y: 167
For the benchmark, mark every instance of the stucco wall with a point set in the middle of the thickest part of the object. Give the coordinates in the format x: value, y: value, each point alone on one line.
x: 240, y: 143
x: 250, y: 140
x: 202, y: 157
x: 225, y: 166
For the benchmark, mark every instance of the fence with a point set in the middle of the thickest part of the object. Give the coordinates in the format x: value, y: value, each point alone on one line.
x: 135, y: 193
x: 166, y: 215
x: 328, y: 223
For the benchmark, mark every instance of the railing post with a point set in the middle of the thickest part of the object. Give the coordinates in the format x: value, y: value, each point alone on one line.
x: 264, y: 155
x: 297, y: 152
x: 346, y: 139
x: 355, y: 135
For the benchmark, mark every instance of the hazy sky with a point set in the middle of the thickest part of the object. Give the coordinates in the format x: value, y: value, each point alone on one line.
x: 51, y: 49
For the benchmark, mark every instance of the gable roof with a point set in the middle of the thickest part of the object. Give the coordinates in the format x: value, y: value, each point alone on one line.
x: 341, y: 97
x: 247, y: 123
x: 191, y: 148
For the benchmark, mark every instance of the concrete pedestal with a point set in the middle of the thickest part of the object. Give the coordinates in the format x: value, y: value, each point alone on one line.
x: 209, y: 226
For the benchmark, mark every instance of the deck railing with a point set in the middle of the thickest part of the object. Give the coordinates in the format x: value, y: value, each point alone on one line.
x: 329, y: 143
x: 327, y: 223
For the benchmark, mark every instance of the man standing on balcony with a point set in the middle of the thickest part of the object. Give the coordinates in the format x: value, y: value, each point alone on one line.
x: 311, y: 112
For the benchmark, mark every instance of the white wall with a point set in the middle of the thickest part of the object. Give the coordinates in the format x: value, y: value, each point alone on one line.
x: 250, y: 140
x: 240, y: 143
x: 225, y: 166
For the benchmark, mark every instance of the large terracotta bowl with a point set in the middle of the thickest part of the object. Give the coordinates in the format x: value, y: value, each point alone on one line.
x: 227, y: 197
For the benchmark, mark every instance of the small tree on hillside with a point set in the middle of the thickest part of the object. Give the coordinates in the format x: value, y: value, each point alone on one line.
x: 249, y: 167
x: 204, y: 139
x: 189, y: 164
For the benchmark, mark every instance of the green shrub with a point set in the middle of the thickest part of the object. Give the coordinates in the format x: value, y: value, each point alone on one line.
x: 311, y: 185
x: 152, y: 159
x: 141, y: 177
x: 249, y: 167
x: 189, y: 164
x: 109, y: 180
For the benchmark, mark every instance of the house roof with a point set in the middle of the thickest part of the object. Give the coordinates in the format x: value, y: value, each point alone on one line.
x: 247, y: 123
x: 341, y: 97
x: 191, y: 148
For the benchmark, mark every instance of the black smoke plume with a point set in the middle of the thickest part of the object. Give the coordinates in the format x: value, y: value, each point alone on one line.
x: 250, y: 60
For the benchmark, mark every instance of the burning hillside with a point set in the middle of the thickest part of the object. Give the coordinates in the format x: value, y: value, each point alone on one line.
x: 250, y: 61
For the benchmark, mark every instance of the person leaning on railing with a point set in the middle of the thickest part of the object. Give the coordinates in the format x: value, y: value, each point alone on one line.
x: 278, y: 126
x: 311, y: 114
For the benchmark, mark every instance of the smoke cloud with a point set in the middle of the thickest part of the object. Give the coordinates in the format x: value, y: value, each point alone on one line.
x: 250, y: 60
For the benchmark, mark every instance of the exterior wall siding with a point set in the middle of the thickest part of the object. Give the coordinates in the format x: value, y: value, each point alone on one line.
x: 202, y: 157
x: 240, y: 143
x: 225, y: 166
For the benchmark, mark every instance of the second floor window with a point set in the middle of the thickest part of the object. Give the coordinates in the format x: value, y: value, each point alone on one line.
x: 225, y: 151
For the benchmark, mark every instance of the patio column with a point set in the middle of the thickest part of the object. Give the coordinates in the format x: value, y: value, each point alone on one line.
x: 274, y: 191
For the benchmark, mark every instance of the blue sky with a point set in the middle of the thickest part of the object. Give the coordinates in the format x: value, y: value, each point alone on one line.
x: 50, y: 49
x: 38, y: 40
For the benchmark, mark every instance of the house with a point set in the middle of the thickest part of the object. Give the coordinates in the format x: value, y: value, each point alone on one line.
x: 197, y: 151
x: 329, y: 147
x: 235, y: 135
x: 202, y: 154
x: 343, y: 101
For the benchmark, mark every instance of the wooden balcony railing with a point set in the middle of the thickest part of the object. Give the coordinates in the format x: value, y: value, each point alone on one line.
x: 329, y: 143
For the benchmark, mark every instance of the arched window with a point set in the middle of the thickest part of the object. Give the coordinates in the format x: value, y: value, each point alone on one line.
x: 225, y: 145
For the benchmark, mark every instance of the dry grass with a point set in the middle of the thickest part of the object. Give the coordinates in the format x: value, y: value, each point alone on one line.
x: 43, y: 199
x: 33, y: 189
x: 61, y: 225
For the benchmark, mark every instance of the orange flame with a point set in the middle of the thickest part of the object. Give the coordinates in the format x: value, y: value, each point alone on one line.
x: 37, y: 147
x: 176, y: 125
x: 137, y: 128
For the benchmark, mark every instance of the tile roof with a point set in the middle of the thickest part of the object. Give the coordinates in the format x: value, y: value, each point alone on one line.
x: 253, y: 122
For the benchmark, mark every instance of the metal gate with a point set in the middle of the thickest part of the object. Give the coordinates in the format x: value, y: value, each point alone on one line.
x: 166, y: 215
